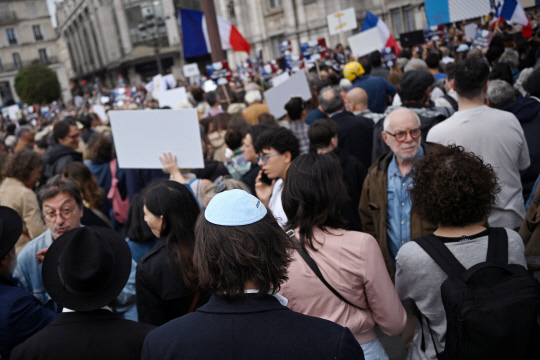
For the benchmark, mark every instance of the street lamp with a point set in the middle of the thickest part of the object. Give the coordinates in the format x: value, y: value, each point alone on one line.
x: 151, y: 29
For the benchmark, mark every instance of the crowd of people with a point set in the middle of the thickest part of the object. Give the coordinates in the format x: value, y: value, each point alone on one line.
x: 303, y: 236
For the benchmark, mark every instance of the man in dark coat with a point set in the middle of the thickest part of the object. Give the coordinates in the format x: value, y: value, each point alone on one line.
x: 21, y: 314
x: 355, y: 133
x: 66, y: 137
x: 84, y: 271
x: 242, y: 257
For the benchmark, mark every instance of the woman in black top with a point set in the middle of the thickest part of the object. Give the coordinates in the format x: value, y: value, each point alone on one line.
x: 166, y: 277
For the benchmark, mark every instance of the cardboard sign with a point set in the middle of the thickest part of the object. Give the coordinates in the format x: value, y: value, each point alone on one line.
x: 278, y: 96
x: 341, y: 21
x: 366, y: 42
x: 172, y: 97
x: 245, y: 69
x: 482, y: 39
x: 313, y: 50
x: 191, y: 70
x: 99, y: 110
x: 280, y: 79
x: 388, y: 56
x: 470, y: 32
x: 170, y: 81
x: 412, y: 38
x: 220, y: 72
x: 14, y: 112
x: 285, y: 48
x: 294, y: 63
x: 142, y: 136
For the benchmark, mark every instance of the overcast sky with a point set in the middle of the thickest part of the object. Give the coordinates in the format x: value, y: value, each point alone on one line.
x: 50, y: 3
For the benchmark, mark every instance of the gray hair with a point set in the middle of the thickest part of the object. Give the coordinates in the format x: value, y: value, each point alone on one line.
x: 510, y: 57
x: 415, y: 64
x: 345, y: 84
x: 386, y: 122
x: 228, y: 184
x: 253, y: 96
x: 500, y: 94
x: 330, y: 103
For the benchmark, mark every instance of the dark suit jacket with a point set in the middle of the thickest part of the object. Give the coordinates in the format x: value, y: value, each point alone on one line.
x: 355, y: 134
x: 256, y: 328
x: 97, y: 334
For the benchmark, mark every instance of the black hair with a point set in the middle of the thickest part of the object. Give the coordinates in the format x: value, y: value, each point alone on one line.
x: 432, y: 61
x: 211, y: 98
x: 502, y: 71
x: 233, y: 139
x: 136, y: 229
x: 313, y: 195
x: 295, y: 106
x: 61, y: 128
x: 175, y: 203
x: 321, y: 132
x: 532, y: 84
x: 376, y: 58
x: 366, y: 64
x: 471, y: 76
x: 279, y: 138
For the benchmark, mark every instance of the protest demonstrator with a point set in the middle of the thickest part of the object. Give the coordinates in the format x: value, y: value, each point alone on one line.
x: 244, y: 277
x: 84, y: 271
x: 313, y: 196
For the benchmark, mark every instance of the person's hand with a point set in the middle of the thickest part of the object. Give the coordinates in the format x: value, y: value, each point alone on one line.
x: 263, y: 190
x: 41, y: 255
x: 170, y: 166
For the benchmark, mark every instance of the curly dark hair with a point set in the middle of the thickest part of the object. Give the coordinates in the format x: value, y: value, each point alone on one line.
x: 279, y: 138
x: 452, y: 187
x: 227, y: 257
x: 22, y: 164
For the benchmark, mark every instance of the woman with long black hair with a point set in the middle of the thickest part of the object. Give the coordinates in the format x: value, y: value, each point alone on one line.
x: 166, y: 277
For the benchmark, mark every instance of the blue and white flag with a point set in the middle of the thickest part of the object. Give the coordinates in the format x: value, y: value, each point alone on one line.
x: 439, y: 12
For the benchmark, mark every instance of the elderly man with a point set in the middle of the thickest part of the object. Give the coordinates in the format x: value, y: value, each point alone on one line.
x: 500, y: 94
x: 255, y: 107
x: 494, y: 135
x: 385, y: 206
x: 62, y: 208
x: 22, y: 314
x: 356, y: 101
x: 355, y: 133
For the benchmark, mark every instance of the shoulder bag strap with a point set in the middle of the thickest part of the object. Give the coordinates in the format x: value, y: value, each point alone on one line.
x: 497, y: 252
x: 441, y: 255
x: 313, y: 266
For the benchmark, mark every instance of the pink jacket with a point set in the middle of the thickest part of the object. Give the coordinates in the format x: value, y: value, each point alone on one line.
x: 352, y: 263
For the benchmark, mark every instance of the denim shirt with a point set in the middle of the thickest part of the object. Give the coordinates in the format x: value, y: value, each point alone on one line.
x: 28, y: 272
x: 398, y: 221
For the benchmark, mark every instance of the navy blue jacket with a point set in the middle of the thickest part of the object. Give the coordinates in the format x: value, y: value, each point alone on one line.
x: 378, y: 90
x: 21, y: 315
x: 256, y: 328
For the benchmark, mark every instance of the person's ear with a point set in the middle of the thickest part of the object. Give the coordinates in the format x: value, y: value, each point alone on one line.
x: 453, y: 84
x: 385, y: 137
x: 334, y: 142
x: 288, y: 156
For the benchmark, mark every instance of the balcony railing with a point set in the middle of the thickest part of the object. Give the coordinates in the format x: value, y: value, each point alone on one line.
x: 8, y: 17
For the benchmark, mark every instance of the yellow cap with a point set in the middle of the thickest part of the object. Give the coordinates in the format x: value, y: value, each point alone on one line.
x: 352, y: 70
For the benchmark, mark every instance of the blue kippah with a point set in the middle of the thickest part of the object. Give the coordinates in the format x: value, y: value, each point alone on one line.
x: 233, y: 208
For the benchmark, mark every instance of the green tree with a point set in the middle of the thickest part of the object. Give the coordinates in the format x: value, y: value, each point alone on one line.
x: 37, y: 84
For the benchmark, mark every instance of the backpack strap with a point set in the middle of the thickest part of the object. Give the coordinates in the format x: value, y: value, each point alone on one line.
x: 441, y: 255
x: 497, y: 252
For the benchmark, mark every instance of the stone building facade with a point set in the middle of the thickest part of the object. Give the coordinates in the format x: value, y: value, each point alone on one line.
x: 26, y: 36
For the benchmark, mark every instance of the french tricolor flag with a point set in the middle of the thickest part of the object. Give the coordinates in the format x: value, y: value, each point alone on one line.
x: 513, y: 12
x: 372, y: 21
x: 195, y: 34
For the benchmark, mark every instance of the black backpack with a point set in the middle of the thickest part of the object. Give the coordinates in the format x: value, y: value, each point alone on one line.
x: 491, y: 309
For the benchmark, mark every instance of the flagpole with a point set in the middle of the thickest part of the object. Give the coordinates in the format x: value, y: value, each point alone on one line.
x: 213, y: 32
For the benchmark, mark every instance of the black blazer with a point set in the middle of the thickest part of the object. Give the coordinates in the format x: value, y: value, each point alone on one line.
x: 355, y: 134
x: 256, y: 328
x: 161, y: 293
x: 97, y: 334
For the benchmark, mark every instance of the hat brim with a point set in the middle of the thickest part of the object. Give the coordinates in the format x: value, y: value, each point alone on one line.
x: 54, y: 284
x: 10, y: 230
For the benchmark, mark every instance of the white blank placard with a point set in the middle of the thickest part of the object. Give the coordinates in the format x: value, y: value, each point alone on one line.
x: 191, y: 70
x: 142, y: 136
x: 366, y: 42
x: 172, y: 97
x: 280, y: 79
x: 278, y: 96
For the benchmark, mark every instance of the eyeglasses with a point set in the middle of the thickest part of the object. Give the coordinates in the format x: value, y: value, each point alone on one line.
x: 402, y: 135
x: 264, y: 157
x: 220, y: 183
x: 64, y: 214
x: 73, y: 137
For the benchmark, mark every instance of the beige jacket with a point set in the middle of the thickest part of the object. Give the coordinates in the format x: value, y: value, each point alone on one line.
x: 24, y: 201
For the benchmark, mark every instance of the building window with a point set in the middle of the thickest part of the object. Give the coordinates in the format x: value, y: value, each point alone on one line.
x: 409, y: 20
x: 17, y: 60
x: 12, y: 40
x: 43, y: 56
x: 275, y: 3
x: 1, y: 65
x: 37, y: 32
x: 397, y: 20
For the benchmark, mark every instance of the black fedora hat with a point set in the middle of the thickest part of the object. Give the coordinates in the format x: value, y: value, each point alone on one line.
x: 10, y: 229
x: 86, y: 268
